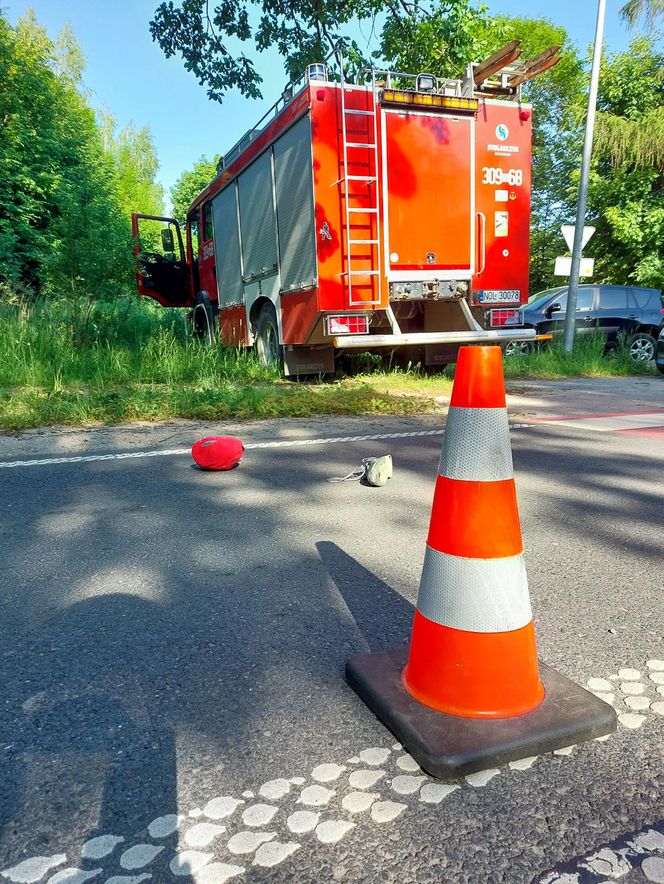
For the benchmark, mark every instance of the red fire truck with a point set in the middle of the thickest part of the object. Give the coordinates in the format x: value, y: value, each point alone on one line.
x: 387, y: 213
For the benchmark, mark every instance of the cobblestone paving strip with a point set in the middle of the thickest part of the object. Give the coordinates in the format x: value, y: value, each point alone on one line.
x: 374, y: 787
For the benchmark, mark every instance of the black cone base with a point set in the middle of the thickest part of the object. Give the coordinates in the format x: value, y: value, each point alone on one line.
x: 448, y: 747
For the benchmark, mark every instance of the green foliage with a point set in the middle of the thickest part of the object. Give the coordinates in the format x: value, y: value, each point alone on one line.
x: 626, y: 192
x: 190, y: 183
x: 630, y: 126
x: 67, y: 187
x: 440, y: 38
x: 557, y: 136
x: 444, y: 32
x: 138, y: 363
x: 650, y: 11
x: 134, y: 157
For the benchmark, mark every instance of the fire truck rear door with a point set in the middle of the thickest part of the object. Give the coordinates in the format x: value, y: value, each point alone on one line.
x: 428, y: 186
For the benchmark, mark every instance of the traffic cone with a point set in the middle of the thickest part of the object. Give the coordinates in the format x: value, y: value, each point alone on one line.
x: 471, y: 693
x: 473, y: 611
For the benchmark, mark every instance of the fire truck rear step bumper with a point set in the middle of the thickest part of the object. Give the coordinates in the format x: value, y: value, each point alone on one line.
x: 487, y: 336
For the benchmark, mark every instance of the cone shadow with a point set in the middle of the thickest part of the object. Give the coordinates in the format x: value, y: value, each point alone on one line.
x: 382, y: 616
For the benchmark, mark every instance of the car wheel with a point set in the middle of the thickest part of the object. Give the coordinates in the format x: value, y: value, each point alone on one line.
x: 268, y: 348
x: 518, y: 348
x: 641, y: 347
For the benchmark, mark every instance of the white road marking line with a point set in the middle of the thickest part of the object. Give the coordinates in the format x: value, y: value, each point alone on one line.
x: 315, y: 796
x: 259, y: 814
x: 610, y: 423
x: 164, y: 826
x: 274, y: 789
x: 138, y: 856
x: 201, y: 835
x: 170, y: 452
x: 272, y: 854
x: 325, y: 773
x: 74, y: 876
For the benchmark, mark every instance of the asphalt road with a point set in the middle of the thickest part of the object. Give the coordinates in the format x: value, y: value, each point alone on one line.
x: 173, y: 643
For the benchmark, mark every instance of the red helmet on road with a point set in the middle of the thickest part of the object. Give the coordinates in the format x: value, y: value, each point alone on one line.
x: 217, y: 452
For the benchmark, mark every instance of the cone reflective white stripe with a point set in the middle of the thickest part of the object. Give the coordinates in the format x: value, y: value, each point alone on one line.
x: 480, y: 595
x: 476, y: 446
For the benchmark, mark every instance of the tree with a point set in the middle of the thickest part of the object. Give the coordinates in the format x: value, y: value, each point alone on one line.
x: 630, y: 122
x: 651, y: 11
x: 626, y: 194
x: 455, y: 34
x: 135, y: 160
x: 28, y: 149
x: 190, y: 183
x: 303, y: 31
x: 66, y: 187
x: 440, y: 38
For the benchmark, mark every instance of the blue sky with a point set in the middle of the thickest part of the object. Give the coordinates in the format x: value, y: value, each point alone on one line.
x: 132, y: 80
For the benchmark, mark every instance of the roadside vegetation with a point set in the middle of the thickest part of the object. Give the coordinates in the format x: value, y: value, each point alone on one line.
x: 139, y: 362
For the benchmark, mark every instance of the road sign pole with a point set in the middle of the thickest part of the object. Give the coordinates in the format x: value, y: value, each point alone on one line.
x: 570, y: 315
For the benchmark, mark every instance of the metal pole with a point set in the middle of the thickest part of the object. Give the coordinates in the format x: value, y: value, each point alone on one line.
x: 570, y: 315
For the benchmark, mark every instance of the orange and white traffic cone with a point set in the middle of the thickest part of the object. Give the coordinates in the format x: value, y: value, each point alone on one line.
x: 471, y: 694
x: 472, y: 650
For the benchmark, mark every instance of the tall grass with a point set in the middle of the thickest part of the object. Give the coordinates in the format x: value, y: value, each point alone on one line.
x: 137, y: 361
x: 129, y: 343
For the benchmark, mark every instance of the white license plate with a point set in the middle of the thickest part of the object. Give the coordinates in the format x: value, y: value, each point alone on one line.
x: 500, y: 296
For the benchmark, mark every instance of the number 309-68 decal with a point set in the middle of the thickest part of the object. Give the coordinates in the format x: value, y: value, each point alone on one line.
x: 493, y: 175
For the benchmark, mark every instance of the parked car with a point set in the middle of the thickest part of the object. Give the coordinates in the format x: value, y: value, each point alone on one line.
x: 659, y: 350
x: 618, y: 311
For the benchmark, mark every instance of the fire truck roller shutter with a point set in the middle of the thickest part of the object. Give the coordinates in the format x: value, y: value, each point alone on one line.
x: 227, y: 247
x: 257, y: 219
x: 295, y: 207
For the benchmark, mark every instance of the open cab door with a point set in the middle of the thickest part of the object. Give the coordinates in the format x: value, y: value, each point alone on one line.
x: 162, y: 271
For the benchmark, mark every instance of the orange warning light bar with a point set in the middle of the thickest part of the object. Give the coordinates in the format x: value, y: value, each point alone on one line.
x: 449, y: 102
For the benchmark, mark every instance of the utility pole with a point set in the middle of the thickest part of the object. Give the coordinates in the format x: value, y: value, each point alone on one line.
x: 570, y: 315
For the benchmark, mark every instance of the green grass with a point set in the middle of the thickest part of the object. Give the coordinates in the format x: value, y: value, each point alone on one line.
x: 138, y: 363
x: 588, y: 359
x: 135, y: 361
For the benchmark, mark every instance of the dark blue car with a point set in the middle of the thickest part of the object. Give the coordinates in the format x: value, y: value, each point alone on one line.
x: 618, y: 311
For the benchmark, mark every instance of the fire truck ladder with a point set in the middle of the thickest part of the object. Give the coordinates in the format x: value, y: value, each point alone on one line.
x: 364, y: 217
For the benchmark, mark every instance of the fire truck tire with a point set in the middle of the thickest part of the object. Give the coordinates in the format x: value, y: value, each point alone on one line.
x: 203, y: 318
x: 268, y: 349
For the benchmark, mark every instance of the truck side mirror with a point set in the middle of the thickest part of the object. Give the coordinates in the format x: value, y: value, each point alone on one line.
x: 167, y: 241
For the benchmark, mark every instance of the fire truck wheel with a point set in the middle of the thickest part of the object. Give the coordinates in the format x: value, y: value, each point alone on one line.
x: 268, y: 349
x: 203, y: 318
